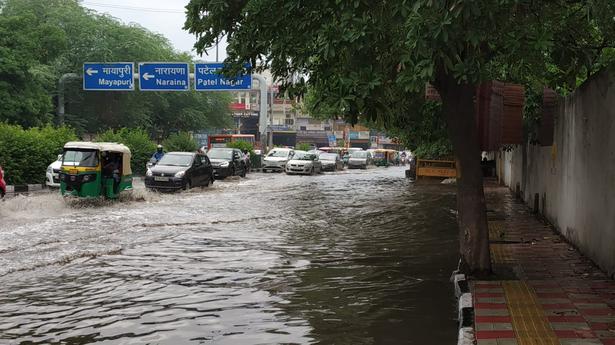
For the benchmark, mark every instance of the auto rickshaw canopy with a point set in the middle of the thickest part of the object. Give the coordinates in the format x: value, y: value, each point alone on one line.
x: 108, y: 147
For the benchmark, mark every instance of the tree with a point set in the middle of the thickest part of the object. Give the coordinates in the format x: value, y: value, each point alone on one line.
x: 371, y: 58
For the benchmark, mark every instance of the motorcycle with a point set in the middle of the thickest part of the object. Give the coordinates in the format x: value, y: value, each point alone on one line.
x: 151, y: 163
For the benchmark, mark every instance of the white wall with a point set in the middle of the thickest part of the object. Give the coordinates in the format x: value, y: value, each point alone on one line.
x: 576, y: 176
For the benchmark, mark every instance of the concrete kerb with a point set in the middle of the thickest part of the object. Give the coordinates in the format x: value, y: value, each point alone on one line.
x: 465, y: 308
x: 25, y: 188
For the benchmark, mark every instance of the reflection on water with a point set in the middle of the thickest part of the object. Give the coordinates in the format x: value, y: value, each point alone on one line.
x: 351, y: 258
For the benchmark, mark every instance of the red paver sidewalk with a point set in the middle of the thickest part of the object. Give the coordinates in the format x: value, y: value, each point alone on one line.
x: 554, y: 294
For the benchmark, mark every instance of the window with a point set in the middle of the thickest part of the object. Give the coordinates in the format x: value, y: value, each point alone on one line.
x: 289, y: 122
x: 81, y: 158
x: 303, y: 128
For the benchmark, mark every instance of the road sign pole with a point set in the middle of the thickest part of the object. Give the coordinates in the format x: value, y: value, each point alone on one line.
x: 262, y: 119
x: 61, y: 82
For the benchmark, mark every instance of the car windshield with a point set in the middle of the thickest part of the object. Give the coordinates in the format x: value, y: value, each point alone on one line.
x: 170, y: 159
x: 278, y: 153
x: 298, y: 155
x: 359, y: 154
x: 220, y: 154
x: 328, y: 156
x: 81, y: 158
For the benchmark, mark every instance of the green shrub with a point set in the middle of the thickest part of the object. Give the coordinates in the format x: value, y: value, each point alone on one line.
x: 25, y: 154
x: 303, y: 147
x: 139, y: 143
x: 438, y: 149
x: 243, y: 146
x: 181, y: 141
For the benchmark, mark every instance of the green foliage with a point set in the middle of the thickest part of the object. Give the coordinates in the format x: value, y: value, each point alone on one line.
x: 439, y: 149
x: 42, y: 40
x: 367, y: 60
x: 181, y: 141
x: 423, y: 131
x: 303, y: 147
x: 25, y: 154
x: 137, y: 140
x: 242, y: 145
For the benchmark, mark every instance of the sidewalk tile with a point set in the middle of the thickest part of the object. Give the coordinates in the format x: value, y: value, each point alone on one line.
x: 495, y: 334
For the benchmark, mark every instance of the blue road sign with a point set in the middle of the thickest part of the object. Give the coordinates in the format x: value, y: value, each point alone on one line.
x: 164, y: 76
x: 207, y: 77
x: 115, y: 76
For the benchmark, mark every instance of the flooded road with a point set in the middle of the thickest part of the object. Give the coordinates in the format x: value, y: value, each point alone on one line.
x: 357, y: 257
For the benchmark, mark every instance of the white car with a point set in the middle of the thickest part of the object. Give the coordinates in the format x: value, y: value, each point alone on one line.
x: 276, y: 159
x: 360, y: 160
x: 304, y: 163
x: 53, y: 173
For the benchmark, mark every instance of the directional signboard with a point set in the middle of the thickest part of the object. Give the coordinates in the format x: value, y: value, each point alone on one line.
x: 207, y: 77
x: 116, y: 76
x: 164, y: 76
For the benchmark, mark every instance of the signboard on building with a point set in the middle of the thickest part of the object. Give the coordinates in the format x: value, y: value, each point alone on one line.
x: 207, y: 77
x: 239, y: 106
x: 164, y: 76
x: 115, y: 76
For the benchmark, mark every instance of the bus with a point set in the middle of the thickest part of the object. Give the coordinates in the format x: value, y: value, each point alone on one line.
x: 220, y: 140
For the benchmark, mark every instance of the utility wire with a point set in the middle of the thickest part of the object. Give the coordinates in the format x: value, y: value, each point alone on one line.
x: 134, y: 8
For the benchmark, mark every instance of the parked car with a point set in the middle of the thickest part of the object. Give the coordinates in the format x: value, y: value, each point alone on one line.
x: 276, y: 159
x: 331, y: 161
x: 359, y: 160
x: 53, y: 173
x: 2, y: 184
x: 227, y: 162
x: 180, y: 170
x: 303, y: 163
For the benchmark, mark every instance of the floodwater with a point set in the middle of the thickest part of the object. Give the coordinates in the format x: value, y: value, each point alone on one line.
x: 356, y: 257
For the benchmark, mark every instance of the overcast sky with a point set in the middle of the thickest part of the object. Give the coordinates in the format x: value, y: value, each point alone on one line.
x: 162, y: 16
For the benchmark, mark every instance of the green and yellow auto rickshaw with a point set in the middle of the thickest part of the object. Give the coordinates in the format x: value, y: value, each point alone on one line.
x: 383, y: 157
x: 92, y: 170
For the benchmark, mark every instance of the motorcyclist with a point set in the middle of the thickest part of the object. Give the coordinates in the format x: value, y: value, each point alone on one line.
x: 158, y: 154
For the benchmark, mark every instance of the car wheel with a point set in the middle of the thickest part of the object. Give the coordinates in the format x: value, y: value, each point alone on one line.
x: 312, y: 171
x: 188, y: 185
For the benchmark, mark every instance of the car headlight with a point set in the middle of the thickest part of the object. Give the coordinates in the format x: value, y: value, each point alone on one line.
x: 224, y: 165
x: 149, y: 172
x: 180, y: 174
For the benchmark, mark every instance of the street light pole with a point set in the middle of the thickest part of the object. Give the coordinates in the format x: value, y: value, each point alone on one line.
x: 61, y: 109
x: 262, y: 119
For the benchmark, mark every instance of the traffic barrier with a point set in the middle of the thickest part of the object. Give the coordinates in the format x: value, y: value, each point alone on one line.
x: 436, y: 168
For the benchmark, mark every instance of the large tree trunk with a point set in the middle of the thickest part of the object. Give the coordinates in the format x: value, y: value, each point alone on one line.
x: 459, y: 111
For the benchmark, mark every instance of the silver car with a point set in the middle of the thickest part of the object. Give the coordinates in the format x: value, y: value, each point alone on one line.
x: 304, y: 163
x: 276, y: 159
x: 331, y: 162
x: 359, y: 160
